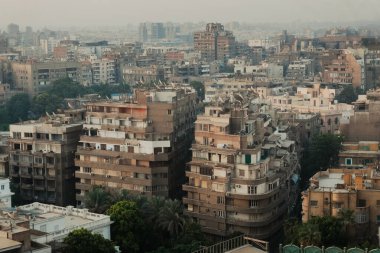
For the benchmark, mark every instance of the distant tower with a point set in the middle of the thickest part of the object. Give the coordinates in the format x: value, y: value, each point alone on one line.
x: 157, y: 31
x: 143, y: 32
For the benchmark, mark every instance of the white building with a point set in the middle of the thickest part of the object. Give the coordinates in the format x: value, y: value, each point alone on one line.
x: 103, y: 70
x: 57, y: 222
x: 5, y: 193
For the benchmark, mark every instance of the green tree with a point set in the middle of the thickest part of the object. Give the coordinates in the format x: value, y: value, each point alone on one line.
x: 309, y: 234
x: 200, y: 89
x: 331, y: 229
x: 128, y: 227
x: 17, y: 107
x: 321, y: 154
x: 347, y: 217
x: 82, y: 240
x: 97, y: 199
x: 347, y: 95
x: 171, y: 217
x: 152, y: 209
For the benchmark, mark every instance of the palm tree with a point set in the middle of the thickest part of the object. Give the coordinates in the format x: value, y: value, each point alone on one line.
x: 171, y: 217
x: 347, y: 216
x: 151, y: 209
x: 309, y: 234
x: 97, y: 199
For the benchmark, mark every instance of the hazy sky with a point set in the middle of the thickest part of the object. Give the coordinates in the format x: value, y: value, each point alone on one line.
x: 120, y: 12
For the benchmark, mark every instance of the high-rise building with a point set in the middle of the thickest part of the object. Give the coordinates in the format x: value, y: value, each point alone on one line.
x: 13, y: 29
x: 143, y: 32
x: 157, y: 31
x: 31, y: 76
x: 236, y: 182
x: 140, y: 144
x: 215, y: 43
x: 41, y: 164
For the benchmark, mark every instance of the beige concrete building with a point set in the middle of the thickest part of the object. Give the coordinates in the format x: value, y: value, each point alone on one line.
x: 30, y: 77
x: 338, y: 189
x: 363, y: 125
x: 359, y: 154
x: 4, y: 154
x: 236, y: 181
x: 215, y: 43
x: 133, y: 74
x: 41, y: 164
x: 312, y: 98
x: 139, y: 144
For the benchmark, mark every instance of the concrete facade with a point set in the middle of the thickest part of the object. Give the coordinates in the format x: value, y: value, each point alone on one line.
x: 138, y: 144
x: 41, y: 161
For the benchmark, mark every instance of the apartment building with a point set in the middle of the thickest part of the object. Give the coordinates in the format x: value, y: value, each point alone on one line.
x: 30, y: 77
x: 338, y: 189
x: 359, y: 154
x: 344, y: 69
x: 5, y: 193
x: 134, y: 74
x: 217, y: 87
x: 41, y: 159
x: 140, y: 144
x: 363, y: 124
x: 215, y: 43
x: 236, y: 182
x: 103, y: 70
x: 4, y: 154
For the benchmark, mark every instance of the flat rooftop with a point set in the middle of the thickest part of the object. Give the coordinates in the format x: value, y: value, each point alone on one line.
x: 331, y: 180
x: 7, y: 244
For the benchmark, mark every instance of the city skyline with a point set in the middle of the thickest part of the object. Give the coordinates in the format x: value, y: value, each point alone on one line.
x: 42, y: 13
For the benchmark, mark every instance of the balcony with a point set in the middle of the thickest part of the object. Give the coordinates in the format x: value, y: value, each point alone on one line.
x: 50, y: 177
x: 80, y: 186
x: 39, y: 187
x: 26, y: 186
x: 26, y: 175
x: 51, y: 188
x: 37, y: 176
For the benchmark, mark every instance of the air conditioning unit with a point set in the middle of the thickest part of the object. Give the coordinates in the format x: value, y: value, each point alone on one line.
x: 92, y: 173
x: 213, y: 177
x: 121, y: 178
x: 108, y: 176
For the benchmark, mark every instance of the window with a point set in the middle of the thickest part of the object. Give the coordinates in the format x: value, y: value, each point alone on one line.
x: 272, y: 186
x: 221, y: 213
x: 252, y: 189
x: 230, y: 159
x: 28, y: 135
x: 220, y: 200
x: 378, y: 202
x: 87, y: 169
x: 2, y: 187
x: 253, y: 203
x: 362, y: 203
x: 247, y: 159
x: 169, y: 112
x: 241, y: 173
x: 313, y: 203
x: 348, y: 161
